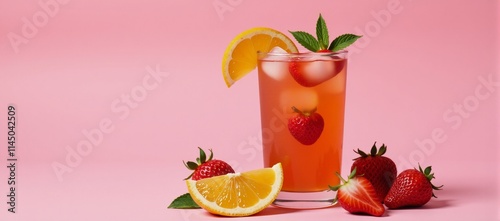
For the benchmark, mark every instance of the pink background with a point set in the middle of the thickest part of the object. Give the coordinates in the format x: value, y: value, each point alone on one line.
x: 416, y: 64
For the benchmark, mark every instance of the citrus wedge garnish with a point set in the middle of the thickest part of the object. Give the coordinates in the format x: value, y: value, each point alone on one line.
x: 238, y: 194
x: 240, y: 56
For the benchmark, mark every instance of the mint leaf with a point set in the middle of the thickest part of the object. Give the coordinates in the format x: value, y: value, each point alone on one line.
x: 306, y: 40
x: 343, y: 41
x: 184, y: 201
x: 322, y: 33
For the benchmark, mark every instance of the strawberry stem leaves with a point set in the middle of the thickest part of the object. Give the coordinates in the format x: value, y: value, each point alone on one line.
x: 427, y: 170
x: 199, y: 160
x: 342, y: 180
x: 190, y: 165
x: 305, y: 113
x: 296, y: 110
x: 382, y: 150
x: 353, y: 174
x: 203, y: 156
x: 373, y: 151
x: 427, y: 173
x: 361, y: 154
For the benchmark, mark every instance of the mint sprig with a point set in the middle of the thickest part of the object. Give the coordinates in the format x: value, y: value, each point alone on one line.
x: 343, y: 41
x: 320, y: 42
x: 322, y: 33
x: 184, y: 201
x: 306, y: 40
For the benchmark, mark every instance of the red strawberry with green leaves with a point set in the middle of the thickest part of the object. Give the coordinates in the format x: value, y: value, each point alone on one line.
x: 206, y: 168
x: 306, y: 127
x: 412, y: 188
x: 325, y: 64
x: 378, y: 169
x: 357, y: 196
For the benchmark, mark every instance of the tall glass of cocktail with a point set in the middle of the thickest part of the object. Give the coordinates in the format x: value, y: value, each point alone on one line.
x: 302, y: 98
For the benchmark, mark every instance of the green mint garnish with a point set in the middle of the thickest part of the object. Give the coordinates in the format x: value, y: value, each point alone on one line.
x: 322, y: 33
x: 306, y: 40
x: 184, y: 202
x: 320, y: 42
x: 343, y: 41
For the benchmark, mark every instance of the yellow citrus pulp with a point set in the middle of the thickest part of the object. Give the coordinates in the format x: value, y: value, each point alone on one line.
x: 240, y: 56
x: 238, y: 194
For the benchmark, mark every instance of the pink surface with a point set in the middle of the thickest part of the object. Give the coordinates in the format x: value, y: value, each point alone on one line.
x: 135, y: 87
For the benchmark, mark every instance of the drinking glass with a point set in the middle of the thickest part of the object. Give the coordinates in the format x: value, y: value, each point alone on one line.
x: 302, y: 99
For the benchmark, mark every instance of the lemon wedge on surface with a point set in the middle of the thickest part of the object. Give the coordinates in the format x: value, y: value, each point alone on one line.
x: 238, y: 194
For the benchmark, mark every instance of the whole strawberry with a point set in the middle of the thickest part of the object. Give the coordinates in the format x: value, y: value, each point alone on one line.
x: 412, y: 188
x: 204, y: 168
x: 357, y: 195
x: 378, y: 169
x: 306, y: 127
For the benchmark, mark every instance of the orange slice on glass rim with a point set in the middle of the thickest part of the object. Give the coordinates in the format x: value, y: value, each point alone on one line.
x: 240, y: 56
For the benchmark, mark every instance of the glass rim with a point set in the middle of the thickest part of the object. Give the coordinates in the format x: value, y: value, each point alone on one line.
x: 269, y: 55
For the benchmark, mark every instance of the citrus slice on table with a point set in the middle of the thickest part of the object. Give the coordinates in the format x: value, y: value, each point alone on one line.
x: 238, y: 194
x: 240, y: 56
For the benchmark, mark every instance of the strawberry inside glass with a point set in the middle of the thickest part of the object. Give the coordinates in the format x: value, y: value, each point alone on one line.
x: 302, y: 98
